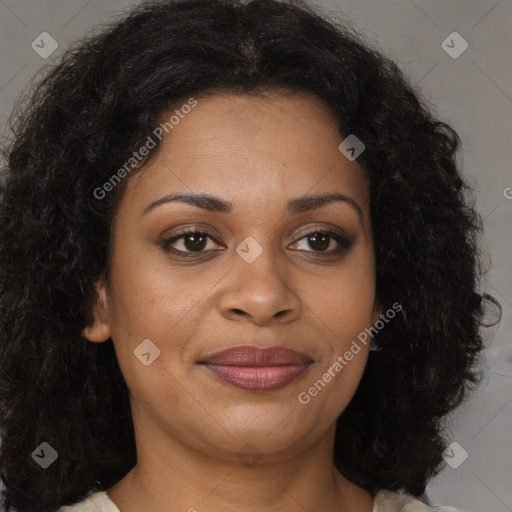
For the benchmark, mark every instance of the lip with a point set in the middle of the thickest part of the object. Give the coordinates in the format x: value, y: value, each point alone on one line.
x: 252, y: 355
x: 253, y: 368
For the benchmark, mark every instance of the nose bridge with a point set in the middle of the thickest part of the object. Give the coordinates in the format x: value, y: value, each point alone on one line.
x: 260, y: 284
x: 259, y: 264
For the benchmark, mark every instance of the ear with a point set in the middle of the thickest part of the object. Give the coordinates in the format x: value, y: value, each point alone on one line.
x: 99, y: 331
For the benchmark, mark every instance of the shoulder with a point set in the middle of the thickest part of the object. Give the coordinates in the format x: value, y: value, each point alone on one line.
x: 95, y: 502
x: 389, y: 501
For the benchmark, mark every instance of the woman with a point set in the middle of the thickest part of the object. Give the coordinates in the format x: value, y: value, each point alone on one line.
x: 239, y: 272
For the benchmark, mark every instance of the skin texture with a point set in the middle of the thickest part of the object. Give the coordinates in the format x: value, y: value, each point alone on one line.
x: 190, y: 427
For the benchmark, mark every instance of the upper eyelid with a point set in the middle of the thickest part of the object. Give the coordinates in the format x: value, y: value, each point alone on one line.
x: 307, y: 231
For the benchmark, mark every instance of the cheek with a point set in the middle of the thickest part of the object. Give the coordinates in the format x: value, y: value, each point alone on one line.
x: 149, y: 300
x: 344, y: 308
x: 146, y: 294
x: 344, y: 302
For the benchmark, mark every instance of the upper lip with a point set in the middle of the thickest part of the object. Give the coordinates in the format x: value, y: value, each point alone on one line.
x: 252, y: 355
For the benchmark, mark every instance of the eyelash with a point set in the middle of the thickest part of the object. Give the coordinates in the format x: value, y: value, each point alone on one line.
x: 344, y: 242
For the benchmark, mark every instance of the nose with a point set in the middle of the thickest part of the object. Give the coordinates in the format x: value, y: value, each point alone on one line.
x: 261, y: 292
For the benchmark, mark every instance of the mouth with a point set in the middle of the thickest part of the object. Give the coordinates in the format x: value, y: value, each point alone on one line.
x: 253, y: 368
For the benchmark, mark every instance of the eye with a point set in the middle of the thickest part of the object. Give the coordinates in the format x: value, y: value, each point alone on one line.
x: 193, y: 243
x: 321, y: 240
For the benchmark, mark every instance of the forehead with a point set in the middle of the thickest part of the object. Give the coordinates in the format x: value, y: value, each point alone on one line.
x: 252, y: 150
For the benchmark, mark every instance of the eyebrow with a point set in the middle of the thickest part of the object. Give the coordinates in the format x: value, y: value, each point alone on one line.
x: 217, y: 205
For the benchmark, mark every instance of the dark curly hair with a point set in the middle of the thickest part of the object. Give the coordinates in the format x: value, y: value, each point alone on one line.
x: 85, y: 118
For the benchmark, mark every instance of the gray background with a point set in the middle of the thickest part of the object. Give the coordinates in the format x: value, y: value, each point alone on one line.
x: 472, y: 91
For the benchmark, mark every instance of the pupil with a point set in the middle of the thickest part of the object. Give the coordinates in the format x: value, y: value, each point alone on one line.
x: 197, y: 242
x: 323, y: 244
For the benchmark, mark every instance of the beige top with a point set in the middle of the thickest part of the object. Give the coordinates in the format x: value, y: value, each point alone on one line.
x: 384, y: 501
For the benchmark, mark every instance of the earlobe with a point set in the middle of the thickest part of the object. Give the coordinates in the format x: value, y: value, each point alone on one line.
x: 99, y: 330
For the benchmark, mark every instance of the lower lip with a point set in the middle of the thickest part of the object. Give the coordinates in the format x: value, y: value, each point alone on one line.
x: 258, y: 378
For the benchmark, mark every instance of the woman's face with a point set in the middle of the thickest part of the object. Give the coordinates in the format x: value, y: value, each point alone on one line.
x: 257, y: 278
